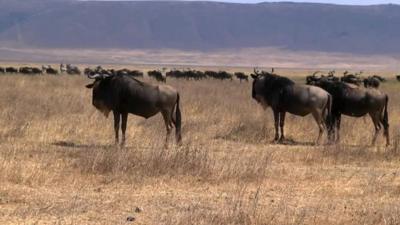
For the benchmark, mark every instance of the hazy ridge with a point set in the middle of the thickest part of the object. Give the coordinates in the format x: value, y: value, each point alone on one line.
x: 200, y: 26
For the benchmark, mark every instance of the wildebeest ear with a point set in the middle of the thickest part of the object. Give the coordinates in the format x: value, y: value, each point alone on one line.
x: 90, y: 85
x: 254, y: 76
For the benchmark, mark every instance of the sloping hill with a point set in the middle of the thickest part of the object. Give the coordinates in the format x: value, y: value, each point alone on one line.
x: 200, y: 26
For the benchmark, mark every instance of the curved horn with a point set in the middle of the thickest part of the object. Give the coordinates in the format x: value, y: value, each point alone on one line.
x: 316, y: 72
x: 94, y: 76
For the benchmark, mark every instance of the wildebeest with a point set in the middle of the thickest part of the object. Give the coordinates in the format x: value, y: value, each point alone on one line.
x: 49, y: 70
x: 283, y: 95
x: 71, y: 70
x: 211, y: 74
x: 356, y: 102
x: 313, y: 78
x: 193, y: 74
x: 371, y: 82
x: 29, y: 70
x: 223, y: 75
x: 352, y: 78
x: 2, y: 70
x: 241, y: 76
x: 134, y: 73
x: 381, y: 79
x: 157, y: 75
x: 398, y: 77
x: 124, y: 94
x: 11, y: 69
x: 175, y: 74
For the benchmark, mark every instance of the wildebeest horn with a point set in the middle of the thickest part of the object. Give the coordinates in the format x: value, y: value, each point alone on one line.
x: 94, y: 76
x: 316, y: 72
x: 101, y: 76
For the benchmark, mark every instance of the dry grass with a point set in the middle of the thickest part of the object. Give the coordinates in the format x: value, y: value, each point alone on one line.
x: 58, y: 164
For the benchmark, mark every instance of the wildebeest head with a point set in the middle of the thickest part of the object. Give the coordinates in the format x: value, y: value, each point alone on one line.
x: 257, y: 86
x: 101, y: 97
x: 267, y: 85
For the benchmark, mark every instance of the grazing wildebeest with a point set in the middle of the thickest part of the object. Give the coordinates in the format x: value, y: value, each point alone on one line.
x: 381, y: 79
x: 371, y: 82
x: 30, y: 70
x: 157, y: 75
x: 283, y: 95
x: 124, y: 94
x: 356, y: 102
x: 241, y: 76
x: 36, y: 70
x: 211, y: 74
x: 223, y: 75
x: 71, y: 70
x: 2, y: 70
x: 175, y: 73
x: 11, y: 69
x: 398, y: 77
x: 311, y: 79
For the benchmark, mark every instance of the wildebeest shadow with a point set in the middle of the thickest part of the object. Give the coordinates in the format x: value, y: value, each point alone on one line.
x: 291, y: 142
x: 70, y: 144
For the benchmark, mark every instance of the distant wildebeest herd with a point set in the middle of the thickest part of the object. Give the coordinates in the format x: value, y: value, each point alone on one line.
x: 159, y: 75
x: 325, y: 97
x: 28, y: 70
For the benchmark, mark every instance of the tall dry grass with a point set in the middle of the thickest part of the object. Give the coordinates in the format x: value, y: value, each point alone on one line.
x: 58, y: 164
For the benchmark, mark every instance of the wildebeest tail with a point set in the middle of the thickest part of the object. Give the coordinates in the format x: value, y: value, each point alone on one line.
x: 327, y: 112
x: 328, y: 115
x: 178, y: 121
x: 386, y: 121
x: 385, y: 114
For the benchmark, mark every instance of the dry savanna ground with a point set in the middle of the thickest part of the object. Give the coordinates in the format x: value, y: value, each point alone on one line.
x: 58, y: 164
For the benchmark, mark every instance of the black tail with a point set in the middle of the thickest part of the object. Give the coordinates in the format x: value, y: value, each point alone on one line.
x: 329, y: 123
x: 329, y: 108
x: 178, y: 122
x: 385, y: 121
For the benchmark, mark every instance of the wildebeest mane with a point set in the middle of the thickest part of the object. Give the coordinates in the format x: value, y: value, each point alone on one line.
x: 276, y: 82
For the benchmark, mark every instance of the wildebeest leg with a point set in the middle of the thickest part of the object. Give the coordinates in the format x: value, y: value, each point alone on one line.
x: 276, y: 123
x: 123, y: 126
x: 282, y: 124
x: 385, y: 122
x: 117, y: 116
x: 317, y: 114
x: 376, y: 120
x: 168, y: 125
x: 337, y: 120
x: 330, y: 125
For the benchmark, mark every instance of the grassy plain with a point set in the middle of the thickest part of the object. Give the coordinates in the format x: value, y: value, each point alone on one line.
x: 58, y: 164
